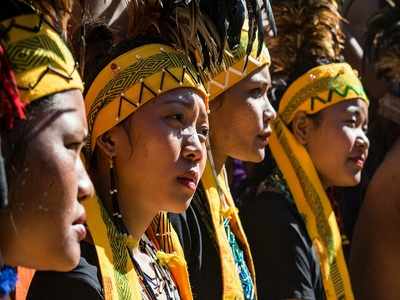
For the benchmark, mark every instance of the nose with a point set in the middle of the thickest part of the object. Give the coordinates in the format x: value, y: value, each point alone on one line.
x: 193, y: 149
x: 269, y: 113
x: 362, y: 141
x: 85, y: 185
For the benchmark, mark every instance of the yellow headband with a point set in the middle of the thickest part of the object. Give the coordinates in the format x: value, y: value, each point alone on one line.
x: 131, y: 80
x: 42, y: 63
x: 319, y: 88
x: 233, y: 68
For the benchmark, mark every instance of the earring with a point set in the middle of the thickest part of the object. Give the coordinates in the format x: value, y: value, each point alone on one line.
x: 116, y: 213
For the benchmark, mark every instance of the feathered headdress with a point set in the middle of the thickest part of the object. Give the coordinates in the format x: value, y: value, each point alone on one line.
x: 179, y: 23
x: 382, y: 45
x: 309, y: 32
x: 229, y: 16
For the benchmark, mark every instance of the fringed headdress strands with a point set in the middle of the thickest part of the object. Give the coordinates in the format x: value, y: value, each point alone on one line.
x: 382, y: 46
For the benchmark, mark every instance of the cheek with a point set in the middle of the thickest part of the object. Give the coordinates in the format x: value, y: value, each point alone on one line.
x: 45, y: 206
x: 157, y: 147
x: 247, y: 118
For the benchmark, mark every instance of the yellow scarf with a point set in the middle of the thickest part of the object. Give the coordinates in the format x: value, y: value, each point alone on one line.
x: 221, y: 209
x: 118, y: 274
x: 318, y: 89
x: 41, y: 61
x: 127, y: 82
x: 236, y: 67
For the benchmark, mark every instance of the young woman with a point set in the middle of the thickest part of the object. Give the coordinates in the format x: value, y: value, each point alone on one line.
x: 43, y: 223
x: 219, y: 256
x: 146, y: 153
x: 319, y: 142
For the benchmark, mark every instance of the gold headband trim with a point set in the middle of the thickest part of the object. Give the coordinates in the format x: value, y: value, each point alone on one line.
x: 235, y: 67
x: 319, y: 88
x: 131, y: 80
x: 42, y: 63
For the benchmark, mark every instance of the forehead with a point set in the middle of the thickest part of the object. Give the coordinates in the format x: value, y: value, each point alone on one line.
x: 348, y: 106
x: 185, y: 96
x: 260, y: 74
x: 68, y: 110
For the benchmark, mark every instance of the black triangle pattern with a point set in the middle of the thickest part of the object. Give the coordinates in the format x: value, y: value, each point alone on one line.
x: 138, y: 71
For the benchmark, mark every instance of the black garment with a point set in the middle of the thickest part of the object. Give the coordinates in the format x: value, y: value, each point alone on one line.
x: 286, y: 263
x: 200, y: 250
x: 82, y: 283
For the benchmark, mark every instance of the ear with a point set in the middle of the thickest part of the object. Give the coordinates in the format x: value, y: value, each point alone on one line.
x: 301, y: 127
x: 106, y: 144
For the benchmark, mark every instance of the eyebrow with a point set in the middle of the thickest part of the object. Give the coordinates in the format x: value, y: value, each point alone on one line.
x: 357, y: 111
x: 188, y: 105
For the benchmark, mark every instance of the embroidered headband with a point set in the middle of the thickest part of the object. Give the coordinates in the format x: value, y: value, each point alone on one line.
x: 236, y: 66
x: 319, y: 88
x: 131, y: 80
x: 42, y: 63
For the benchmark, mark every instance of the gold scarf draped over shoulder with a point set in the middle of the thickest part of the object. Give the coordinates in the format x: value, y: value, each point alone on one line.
x: 236, y: 67
x: 42, y: 63
x: 123, y: 86
x: 314, y: 91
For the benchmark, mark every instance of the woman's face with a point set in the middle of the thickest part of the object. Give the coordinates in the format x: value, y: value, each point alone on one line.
x: 45, y: 221
x: 240, y: 118
x: 160, y: 152
x: 337, y: 143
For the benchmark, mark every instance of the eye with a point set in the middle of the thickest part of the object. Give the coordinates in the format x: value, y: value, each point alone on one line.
x: 365, y: 129
x: 352, y: 123
x: 203, y: 133
x: 178, y: 117
x: 74, y: 146
x: 257, y: 92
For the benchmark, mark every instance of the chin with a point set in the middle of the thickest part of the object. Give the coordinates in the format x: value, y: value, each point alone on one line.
x: 179, y: 205
x: 68, y: 255
x: 258, y: 156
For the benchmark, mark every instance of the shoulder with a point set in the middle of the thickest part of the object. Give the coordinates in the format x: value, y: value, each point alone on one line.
x: 80, y: 283
x: 286, y: 263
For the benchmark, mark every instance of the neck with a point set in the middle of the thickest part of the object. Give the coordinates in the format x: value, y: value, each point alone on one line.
x: 136, y: 215
x: 219, y: 158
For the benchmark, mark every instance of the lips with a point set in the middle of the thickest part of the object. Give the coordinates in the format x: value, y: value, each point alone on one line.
x: 79, y: 226
x: 263, y: 137
x: 358, y: 160
x: 189, y: 180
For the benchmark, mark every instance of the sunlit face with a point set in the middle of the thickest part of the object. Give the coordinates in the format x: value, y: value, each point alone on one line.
x: 240, y: 118
x: 160, y: 153
x: 337, y: 143
x: 45, y: 222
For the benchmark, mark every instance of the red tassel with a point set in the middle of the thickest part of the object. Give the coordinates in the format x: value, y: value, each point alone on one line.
x: 11, y: 106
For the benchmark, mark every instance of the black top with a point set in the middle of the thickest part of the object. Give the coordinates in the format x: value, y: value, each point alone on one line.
x: 82, y: 283
x: 286, y: 263
x: 201, y: 252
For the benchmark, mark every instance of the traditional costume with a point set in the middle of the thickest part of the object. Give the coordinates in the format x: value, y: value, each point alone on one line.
x: 137, y: 76
x: 302, y: 238
x: 35, y: 63
x: 220, y: 260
